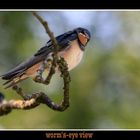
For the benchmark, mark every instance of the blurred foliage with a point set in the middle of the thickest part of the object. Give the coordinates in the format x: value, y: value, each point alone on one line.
x: 105, y: 87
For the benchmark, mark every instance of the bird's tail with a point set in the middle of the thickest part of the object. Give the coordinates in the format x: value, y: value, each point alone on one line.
x: 14, y: 81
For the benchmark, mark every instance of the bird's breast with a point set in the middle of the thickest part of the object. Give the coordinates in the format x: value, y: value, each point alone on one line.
x: 73, y: 54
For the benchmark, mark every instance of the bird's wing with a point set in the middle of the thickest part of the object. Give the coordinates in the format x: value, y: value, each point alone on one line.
x: 63, y: 41
x: 21, y: 68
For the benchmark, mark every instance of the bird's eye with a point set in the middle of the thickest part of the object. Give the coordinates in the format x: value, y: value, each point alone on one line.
x: 83, y: 32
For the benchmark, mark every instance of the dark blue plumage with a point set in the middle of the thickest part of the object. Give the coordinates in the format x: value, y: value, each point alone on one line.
x: 63, y: 41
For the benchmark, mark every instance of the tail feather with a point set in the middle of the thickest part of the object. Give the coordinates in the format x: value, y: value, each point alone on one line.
x: 11, y: 75
x: 5, y: 83
x: 10, y: 85
x: 12, y: 82
x: 21, y: 68
x: 22, y: 71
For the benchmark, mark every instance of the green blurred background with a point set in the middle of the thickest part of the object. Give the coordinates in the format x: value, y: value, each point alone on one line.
x: 105, y: 87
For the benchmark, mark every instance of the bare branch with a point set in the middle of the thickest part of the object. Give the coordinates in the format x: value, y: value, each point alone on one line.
x: 48, y: 31
x: 35, y: 99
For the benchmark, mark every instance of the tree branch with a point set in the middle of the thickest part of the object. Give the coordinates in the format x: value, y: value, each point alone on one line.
x: 35, y: 99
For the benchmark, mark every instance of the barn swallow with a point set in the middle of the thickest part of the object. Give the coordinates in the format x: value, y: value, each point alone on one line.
x: 71, y: 48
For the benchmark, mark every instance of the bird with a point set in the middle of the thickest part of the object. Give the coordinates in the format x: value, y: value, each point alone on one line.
x: 72, y: 45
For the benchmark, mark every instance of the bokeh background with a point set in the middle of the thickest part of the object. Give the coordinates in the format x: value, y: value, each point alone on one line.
x: 105, y: 87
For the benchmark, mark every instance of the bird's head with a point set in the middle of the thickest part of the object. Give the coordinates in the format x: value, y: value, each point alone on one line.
x: 83, y: 36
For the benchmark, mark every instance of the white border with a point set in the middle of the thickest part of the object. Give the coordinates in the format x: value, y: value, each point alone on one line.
x: 69, y: 10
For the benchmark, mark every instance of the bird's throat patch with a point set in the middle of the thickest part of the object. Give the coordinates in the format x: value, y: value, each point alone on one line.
x: 83, y: 39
